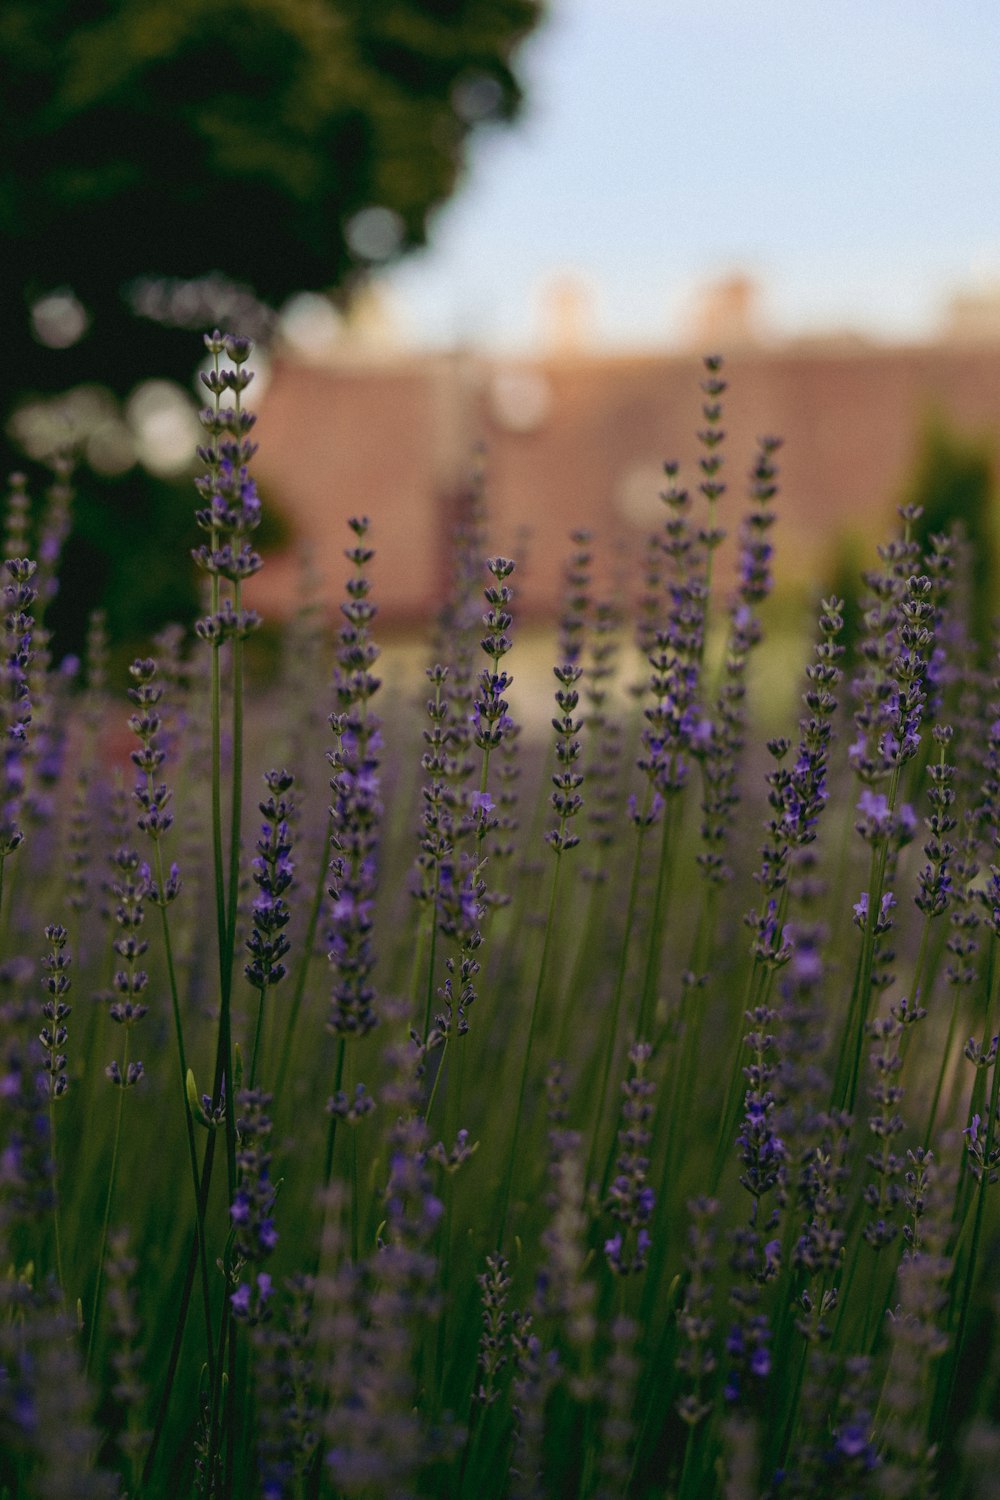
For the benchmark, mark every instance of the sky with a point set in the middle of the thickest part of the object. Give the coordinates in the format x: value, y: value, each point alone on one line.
x: 843, y: 153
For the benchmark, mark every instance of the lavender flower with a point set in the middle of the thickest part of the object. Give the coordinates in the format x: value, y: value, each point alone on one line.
x: 983, y: 1157
x: 45, y: 1404
x: 536, y: 1373
x: 17, y: 516
x: 130, y: 889
x: 883, y: 1196
x: 696, y: 1359
x: 820, y: 1189
x: 351, y: 1109
x: 935, y: 878
x: 15, y: 701
x: 563, y: 1290
x: 55, y: 1011
x: 630, y: 1198
x: 272, y: 872
x: 232, y: 508
x: 376, y: 1437
x: 836, y: 1448
x: 288, y: 1403
x: 128, y: 1390
x: 26, y: 1161
x: 356, y: 808
x: 896, y: 649
x: 762, y: 1151
x: 798, y: 792
x: 917, y: 1338
x: 490, y: 719
x: 55, y: 525
x: 615, y: 1447
x: 252, y: 1209
x: 494, y: 1285
x: 710, y: 463
x: 718, y: 742
x: 566, y: 800
x: 576, y: 605
x: 153, y: 797
x: 78, y: 894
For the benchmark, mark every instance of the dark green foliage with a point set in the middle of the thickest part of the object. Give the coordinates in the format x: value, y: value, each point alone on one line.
x: 202, y: 160
x: 144, y: 138
x: 954, y: 479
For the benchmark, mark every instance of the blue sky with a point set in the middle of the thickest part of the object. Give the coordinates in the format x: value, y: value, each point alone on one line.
x: 846, y: 153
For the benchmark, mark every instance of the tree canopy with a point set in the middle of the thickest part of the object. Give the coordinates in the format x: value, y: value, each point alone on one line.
x: 281, y: 144
x: 167, y: 166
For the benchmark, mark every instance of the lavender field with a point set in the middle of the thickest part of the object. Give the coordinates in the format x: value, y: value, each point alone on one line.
x: 395, y: 1103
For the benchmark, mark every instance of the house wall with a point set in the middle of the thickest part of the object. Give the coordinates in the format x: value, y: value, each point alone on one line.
x: 580, y: 441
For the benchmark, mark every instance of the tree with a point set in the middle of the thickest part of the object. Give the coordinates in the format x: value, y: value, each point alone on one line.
x: 170, y: 164
x: 146, y: 141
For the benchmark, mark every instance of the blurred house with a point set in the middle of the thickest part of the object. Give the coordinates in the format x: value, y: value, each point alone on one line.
x: 973, y: 316
x: 577, y: 438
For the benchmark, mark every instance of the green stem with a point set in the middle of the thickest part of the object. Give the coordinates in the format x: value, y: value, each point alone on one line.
x: 226, y: 975
x: 222, y: 1393
x: 526, y: 1062
x: 852, y: 1048
x: 331, y: 1132
x: 757, y: 989
x: 188, y: 1121
x: 432, y: 960
x: 60, y: 1277
x: 305, y: 959
x: 946, y: 1052
x: 437, y: 1078
x: 616, y: 1005
x: 181, y: 1319
x: 107, y: 1203
x: 965, y: 1300
x: 654, y: 953
x: 256, y: 1034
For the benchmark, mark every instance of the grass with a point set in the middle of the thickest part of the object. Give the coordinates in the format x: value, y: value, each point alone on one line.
x: 609, y: 1110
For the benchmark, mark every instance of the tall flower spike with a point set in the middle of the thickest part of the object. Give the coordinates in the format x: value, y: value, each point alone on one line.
x: 696, y: 1358
x: 272, y: 873
x: 577, y: 603
x: 380, y: 1439
x: 536, y: 1374
x: 494, y: 1284
x: 26, y: 1179
x: 565, y: 799
x: 17, y: 517
x: 55, y: 526
x: 130, y: 889
x: 288, y: 1401
x: 153, y: 797
x: 231, y: 512
x: 15, y: 701
x: 718, y: 742
x: 252, y: 1208
x: 55, y: 1011
x: 462, y: 900
x: 437, y: 820
x: 711, y: 438
x: 78, y: 836
x: 490, y: 716
x: 126, y: 1359
x: 356, y: 809
x: 630, y: 1198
